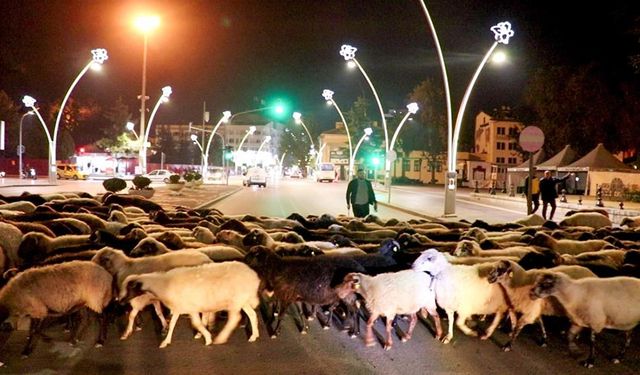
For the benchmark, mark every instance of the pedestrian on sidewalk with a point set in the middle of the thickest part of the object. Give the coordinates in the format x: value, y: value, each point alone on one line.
x: 360, y: 195
x: 549, y: 193
x: 535, y: 192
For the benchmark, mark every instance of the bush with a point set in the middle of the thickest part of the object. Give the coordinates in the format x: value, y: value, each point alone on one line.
x: 141, y: 182
x: 405, y: 181
x: 174, y: 179
x: 197, y: 176
x: 114, y: 184
x: 189, y: 176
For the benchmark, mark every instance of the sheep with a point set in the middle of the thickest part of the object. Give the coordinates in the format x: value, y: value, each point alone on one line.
x: 31, y: 227
x: 36, y: 199
x: 36, y: 246
x: 586, y: 219
x: 517, y: 284
x: 471, y: 260
x: 594, y: 303
x: 230, y: 286
x: 567, y: 246
x: 126, y: 201
x: 631, y: 222
x: 614, y: 258
x: 10, y: 239
x: 204, y: 235
x: 67, y: 225
x: 600, y: 211
x: 57, y: 289
x: 230, y: 237
x: 120, y: 266
x: 389, y: 294
x: 258, y: 236
x: 461, y: 289
x: 217, y: 253
x: 297, y: 279
x: 531, y: 220
x: 471, y: 248
x: 149, y: 246
x: 21, y: 206
x: 125, y: 242
x: 374, y: 235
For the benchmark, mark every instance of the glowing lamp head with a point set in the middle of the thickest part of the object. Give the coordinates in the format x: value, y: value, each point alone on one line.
x: 166, y: 93
x: 499, y: 57
x: 226, y: 115
x: 368, y: 131
x: 327, y: 94
x: 502, y: 32
x: 147, y: 23
x: 252, y: 129
x: 194, y: 137
x: 28, y: 101
x: 297, y: 116
x: 279, y: 109
x: 267, y: 138
x: 412, y: 108
x: 351, y: 64
x: 130, y: 126
x: 348, y: 52
x: 99, y: 56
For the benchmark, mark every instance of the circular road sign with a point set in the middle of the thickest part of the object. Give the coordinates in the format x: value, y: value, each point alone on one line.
x: 531, y: 138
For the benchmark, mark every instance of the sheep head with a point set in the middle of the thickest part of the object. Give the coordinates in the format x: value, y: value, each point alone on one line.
x: 466, y: 248
x: 546, y: 285
x: 341, y: 241
x: 171, y: 240
x: 234, y: 225
x: 258, y: 256
x: 389, y: 247
x: 255, y: 237
x: 543, y: 240
x: 148, y: 246
x: 351, y: 284
x: 430, y: 261
x: 501, y: 271
x: 32, y: 247
x: 110, y: 259
x: 118, y: 216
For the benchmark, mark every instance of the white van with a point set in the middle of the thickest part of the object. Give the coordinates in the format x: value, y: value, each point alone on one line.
x: 255, y: 176
x: 325, y: 172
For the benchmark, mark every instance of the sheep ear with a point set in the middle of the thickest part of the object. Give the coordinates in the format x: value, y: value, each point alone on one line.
x: 510, y: 274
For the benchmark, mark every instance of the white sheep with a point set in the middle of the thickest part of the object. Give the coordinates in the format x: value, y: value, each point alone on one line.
x: 612, y: 303
x: 390, y: 294
x: 122, y: 266
x: 470, y: 260
x: 472, y: 248
x: 531, y: 220
x: 568, y: 246
x: 230, y: 286
x: 204, y: 235
x: 631, y: 222
x: 586, y: 219
x: 36, y: 246
x: 19, y: 206
x: 10, y: 239
x: 38, y: 293
x: 462, y: 289
x: 518, y: 283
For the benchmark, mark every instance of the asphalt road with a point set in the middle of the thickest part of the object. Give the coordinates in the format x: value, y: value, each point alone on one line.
x: 320, y: 351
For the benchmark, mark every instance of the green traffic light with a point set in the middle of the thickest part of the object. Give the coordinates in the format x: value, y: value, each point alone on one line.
x: 375, y: 160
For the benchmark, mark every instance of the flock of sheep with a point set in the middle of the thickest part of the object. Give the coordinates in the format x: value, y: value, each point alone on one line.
x: 69, y: 254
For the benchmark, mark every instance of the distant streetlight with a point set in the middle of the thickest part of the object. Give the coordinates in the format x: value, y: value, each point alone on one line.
x: 297, y: 116
x: 226, y: 115
x: 266, y: 139
x: 132, y: 128
x: 367, y: 133
x: 349, y: 54
x: 146, y: 24
x: 412, y: 109
x: 502, y: 33
x: 99, y: 56
x: 328, y: 96
x: 21, y: 146
x: 252, y: 129
x: 166, y: 93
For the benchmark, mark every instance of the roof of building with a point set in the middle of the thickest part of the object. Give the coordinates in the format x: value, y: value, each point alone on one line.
x: 524, y: 167
x: 598, y: 159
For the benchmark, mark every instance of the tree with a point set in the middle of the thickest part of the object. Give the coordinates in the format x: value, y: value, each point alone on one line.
x: 9, y: 113
x: 117, y: 116
x: 358, y: 120
x: 295, y: 142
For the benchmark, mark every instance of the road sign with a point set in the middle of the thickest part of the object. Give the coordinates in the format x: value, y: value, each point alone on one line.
x: 531, y: 138
x: 20, y: 149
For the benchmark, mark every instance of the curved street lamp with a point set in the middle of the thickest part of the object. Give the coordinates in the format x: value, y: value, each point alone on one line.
x: 297, y: 116
x: 226, y: 115
x: 20, y: 146
x: 252, y: 129
x: 502, y: 33
x: 349, y: 54
x: 266, y: 139
x: 99, y: 56
x: 367, y: 133
x: 412, y: 109
x: 166, y: 93
x: 328, y: 96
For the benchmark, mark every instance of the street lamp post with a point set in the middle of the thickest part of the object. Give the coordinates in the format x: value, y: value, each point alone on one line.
x: 328, y: 96
x: 21, y: 146
x: 266, y: 139
x: 166, y: 93
x: 367, y: 132
x: 252, y: 129
x: 349, y: 54
x: 297, y: 116
x: 226, y: 115
x: 98, y: 58
x: 146, y: 24
x: 412, y: 109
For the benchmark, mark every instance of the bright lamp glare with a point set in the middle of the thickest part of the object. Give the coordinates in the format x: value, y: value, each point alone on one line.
x: 194, y: 137
x: 499, y: 57
x: 130, y: 125
x: 351, y: 64
x: 279, y: 109
x: 147, y: 23
x: 96, y: 67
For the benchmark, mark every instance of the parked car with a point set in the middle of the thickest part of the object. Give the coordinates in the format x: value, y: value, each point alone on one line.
x: 69, y: 171
x: 159, y: 175
x: 255, y: 176
x: 325, y: 172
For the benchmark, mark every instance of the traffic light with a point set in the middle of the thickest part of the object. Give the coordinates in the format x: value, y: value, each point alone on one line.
x: 228, y: 152
x: 375, y: 160
x: 279, y: 109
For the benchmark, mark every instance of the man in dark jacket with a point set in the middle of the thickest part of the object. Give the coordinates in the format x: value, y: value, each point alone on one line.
x: 548, y: 192
x: 360, y: 195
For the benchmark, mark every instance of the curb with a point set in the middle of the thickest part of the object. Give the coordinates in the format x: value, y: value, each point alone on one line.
x: 411, y: 212
x: 217, y: 199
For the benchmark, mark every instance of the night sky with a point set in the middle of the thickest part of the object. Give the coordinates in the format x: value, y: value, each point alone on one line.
x: 233, y: 53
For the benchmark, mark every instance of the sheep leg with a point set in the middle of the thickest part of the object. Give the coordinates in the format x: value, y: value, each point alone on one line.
x: 301, y: 319
x: 368, y: 339
x: 208, y: 320
x: 157, y: 306
x: 326, y: 323
x: 543, y: 332
x: 253, y: 319
x: 34, y: 331
x: 588, y: 363
x: 389, y: 326
x: 436, y: 319
x: 412, y: 324
x: 461, y: 323
x: 103, y: 319
x: 571, y: 336
x: 131, y: 321
x: 172, y: 326
x: 496, y: 321
x: 352, y: 309
x: 233, y: 319
x: 276, y: 330
x: 196, y: 322
x: 82, y: 326
x: 627, y: 342
x: 450, y: 318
